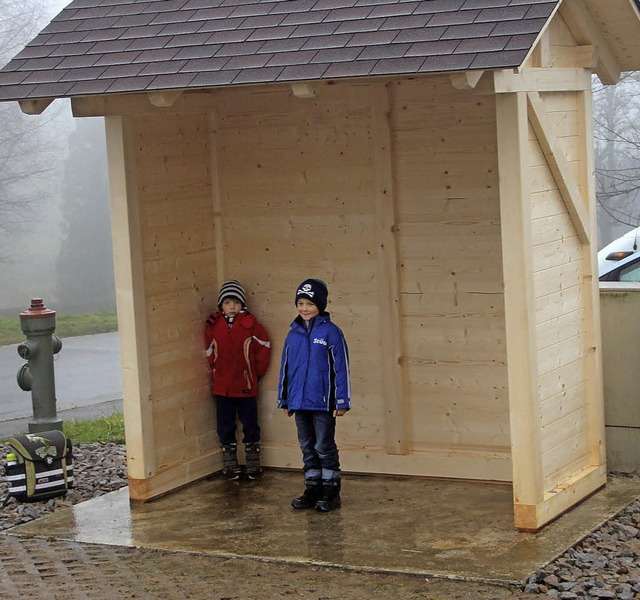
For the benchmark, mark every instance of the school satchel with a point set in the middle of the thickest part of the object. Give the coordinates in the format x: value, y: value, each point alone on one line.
x: 43, y: 467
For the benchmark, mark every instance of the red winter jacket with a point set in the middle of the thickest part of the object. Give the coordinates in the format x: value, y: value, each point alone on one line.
x: 238, y: 355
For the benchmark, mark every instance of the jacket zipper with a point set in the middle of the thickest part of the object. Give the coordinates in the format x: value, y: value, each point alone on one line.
x: 306, y: 374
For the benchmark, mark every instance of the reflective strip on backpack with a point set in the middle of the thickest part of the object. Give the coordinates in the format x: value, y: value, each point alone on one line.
x: 49, y: 484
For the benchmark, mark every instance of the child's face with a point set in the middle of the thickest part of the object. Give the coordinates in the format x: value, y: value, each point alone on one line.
x: 231, y: 307
x: 307, y: 309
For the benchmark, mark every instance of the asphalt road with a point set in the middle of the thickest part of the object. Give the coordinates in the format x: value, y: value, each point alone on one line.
x: 87, y: 378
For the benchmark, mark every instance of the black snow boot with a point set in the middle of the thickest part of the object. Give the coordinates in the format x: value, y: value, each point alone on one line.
x: 331, y: 496
x: 231, y: 468
x: 252, y: 454
x: 312, y: 493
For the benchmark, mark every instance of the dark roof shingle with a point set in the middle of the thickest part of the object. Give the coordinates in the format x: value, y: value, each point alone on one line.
x: 137, y: 45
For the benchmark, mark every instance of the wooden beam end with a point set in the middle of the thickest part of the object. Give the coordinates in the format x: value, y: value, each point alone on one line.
x: 303, y: 90
x: 164, y: 99
x: 35, y: 106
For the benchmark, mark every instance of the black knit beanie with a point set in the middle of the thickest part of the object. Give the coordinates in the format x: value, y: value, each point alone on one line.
x: 314, y: 290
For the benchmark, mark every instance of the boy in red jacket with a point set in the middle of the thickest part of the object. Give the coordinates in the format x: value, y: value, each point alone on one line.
x: 238, y: 350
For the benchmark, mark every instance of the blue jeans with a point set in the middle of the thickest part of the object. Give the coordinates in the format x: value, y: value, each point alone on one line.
x: 316, y: 434
x: 247, y: 411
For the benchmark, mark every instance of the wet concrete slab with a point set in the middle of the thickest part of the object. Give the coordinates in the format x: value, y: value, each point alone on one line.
x: 427, y: 527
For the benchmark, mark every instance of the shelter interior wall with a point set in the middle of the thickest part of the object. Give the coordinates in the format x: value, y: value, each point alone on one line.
x: 177, y: 245
x: 294, y: 186
x: 451, y: 270
x: 297, y: 186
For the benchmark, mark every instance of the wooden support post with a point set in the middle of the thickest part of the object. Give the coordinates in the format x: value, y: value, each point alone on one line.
x: 541, y: 52
x: 522, y: 366
x: 216, y: 194
x: 130, y: 300
x: 595, y: 393
x: 396, y: 403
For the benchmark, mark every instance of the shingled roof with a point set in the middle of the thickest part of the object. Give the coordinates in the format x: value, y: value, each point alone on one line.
x: 115, y: 46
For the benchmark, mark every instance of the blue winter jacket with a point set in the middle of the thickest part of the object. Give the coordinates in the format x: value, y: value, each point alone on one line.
x: 314, y: 371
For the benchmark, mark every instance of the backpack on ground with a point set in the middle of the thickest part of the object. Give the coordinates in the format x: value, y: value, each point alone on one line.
x: 43, y: 466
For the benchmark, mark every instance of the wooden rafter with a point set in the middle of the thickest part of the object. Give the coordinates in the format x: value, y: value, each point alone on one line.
x: 558, y: 166
x: 466, y: 80
x: 586, y: 32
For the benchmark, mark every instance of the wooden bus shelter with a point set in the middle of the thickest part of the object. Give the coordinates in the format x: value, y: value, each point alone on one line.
x: 431, y: 160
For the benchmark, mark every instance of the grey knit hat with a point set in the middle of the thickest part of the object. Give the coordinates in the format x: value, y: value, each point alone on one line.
x: 232, y: 289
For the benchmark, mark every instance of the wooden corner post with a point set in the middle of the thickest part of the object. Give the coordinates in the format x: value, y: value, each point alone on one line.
x: 130, y: 301
x: 522, y: 366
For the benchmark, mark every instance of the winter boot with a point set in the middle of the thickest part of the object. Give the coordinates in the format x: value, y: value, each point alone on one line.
x: 231, y: 468
x: 252, y: 454
x: 331, y: 496
x: 312, y: 494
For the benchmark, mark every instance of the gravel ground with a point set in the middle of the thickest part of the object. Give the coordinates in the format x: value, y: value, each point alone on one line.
x: 98, y: 469
x: 606, y: 564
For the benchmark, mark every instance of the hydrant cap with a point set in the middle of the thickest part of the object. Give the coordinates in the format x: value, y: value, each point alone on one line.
x: 37, y: 310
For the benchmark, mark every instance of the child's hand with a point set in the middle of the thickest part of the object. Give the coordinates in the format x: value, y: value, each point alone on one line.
x: 339, y: 412
x: 286, y: 412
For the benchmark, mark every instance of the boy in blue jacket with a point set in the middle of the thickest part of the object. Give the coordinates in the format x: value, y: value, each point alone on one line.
x: 314, y: 387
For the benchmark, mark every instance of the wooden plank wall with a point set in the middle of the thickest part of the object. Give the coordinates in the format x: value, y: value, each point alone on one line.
x: 560, y: 303
x: 297, y: 188
x: 296, y: 195
x: 179, y: 280
x: 565, y: 320
x: 451, y: 278
x: 271, y: 189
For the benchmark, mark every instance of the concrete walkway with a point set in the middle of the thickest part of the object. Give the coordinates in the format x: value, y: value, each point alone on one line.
x: 432, y: 528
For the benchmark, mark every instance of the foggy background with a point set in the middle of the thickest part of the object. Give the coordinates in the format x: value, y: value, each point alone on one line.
x: 55, y: 232
x: 55, y: 236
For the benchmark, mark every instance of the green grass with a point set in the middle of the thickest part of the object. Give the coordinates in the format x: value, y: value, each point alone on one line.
x: 67, y: 325
x: 105, y: 429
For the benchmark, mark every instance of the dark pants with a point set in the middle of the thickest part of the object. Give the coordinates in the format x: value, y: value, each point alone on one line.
x: 316, y: 434
x: 246, y: 409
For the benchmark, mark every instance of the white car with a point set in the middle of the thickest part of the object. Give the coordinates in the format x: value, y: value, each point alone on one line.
x: 620, y: 260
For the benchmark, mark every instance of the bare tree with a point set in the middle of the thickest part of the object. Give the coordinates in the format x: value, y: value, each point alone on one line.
x: 28, y: 144
x: 617, y: 133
